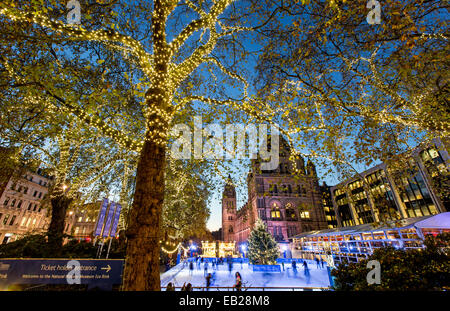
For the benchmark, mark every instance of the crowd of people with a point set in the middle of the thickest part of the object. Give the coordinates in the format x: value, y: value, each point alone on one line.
x: 216, y: 262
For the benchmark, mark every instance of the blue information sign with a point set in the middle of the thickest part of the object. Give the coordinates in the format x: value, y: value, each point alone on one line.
x: 101, y: 217
x: 116, y: 220
x: 109, y: 218
x: 60, y: 271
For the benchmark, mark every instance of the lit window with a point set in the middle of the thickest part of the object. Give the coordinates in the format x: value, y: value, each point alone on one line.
x: 304, y: 214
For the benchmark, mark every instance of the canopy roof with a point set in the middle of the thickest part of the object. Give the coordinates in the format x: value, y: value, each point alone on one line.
x: 439, y: 221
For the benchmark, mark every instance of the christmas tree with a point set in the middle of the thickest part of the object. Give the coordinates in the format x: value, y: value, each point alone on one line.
x: 262, y: 248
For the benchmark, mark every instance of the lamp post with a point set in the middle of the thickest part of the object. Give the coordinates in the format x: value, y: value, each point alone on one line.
x: 244, y: 249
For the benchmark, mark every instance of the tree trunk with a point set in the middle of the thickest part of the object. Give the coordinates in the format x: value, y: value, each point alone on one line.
x: 142, y: 261
x: 60, y: 204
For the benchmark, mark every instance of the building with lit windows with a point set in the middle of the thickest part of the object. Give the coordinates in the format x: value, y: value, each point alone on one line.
x: 328, y: 208
x: 21, y: 209
x: 287, y: 205
x: 358, y: 242
x: 416, y: 187
x: 84, y: 221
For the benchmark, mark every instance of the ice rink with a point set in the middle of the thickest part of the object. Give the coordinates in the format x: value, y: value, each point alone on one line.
x: 285, y: 280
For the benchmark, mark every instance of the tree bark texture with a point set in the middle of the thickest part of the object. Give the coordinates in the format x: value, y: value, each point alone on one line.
x: 141, y: 270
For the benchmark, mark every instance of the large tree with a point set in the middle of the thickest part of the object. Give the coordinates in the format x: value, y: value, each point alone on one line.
x: 168, y: 43
x: 363, y: 91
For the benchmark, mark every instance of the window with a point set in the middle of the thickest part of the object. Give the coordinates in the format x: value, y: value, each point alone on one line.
x: 25, y: 190
x: 262, y: 214
x: 13, y: 203
x: 35, y: 206
x: 35, y: 193
x: 275, y: 212
x: 304, y: 214
x: 19, y: 205
x: 24, y: 220
x: 12, y: 220
x: 6, y: 202
x: 40, y: 194
x: 29, y: 206
x: 290, y: 213
x: 5, y: 220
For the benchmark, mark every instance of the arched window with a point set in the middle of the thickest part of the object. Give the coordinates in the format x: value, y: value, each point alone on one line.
x: 13, y: 202
x: 275, y: 212
x: 230, y: 230
x: 289, y: 189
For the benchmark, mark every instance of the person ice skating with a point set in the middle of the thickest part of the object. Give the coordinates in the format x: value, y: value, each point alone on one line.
x: 206, y: 269
x: 191, y: 268
x: 170, y: 287
x: 282, y: 263
x: 208, y: 281
x: 188, y: 287
x: 317, y: 262
x: 322, y: 262
x: 230, y: 267
x: 305, y: 266
x: 294, y: 267
x: 238, y: 284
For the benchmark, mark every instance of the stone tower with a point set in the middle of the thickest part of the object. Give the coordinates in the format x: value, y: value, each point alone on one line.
x: 228, y: 211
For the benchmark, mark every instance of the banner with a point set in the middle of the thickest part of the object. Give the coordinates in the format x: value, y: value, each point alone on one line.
x: 58, y: 271
x: 109, y: 218
x: 101, y: 217
x: 116, y: 220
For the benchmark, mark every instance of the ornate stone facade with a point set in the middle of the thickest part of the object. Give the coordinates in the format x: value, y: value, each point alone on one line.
x: 288, y: 205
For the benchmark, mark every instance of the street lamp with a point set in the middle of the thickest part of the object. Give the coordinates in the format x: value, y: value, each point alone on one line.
x: 244, y: 249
